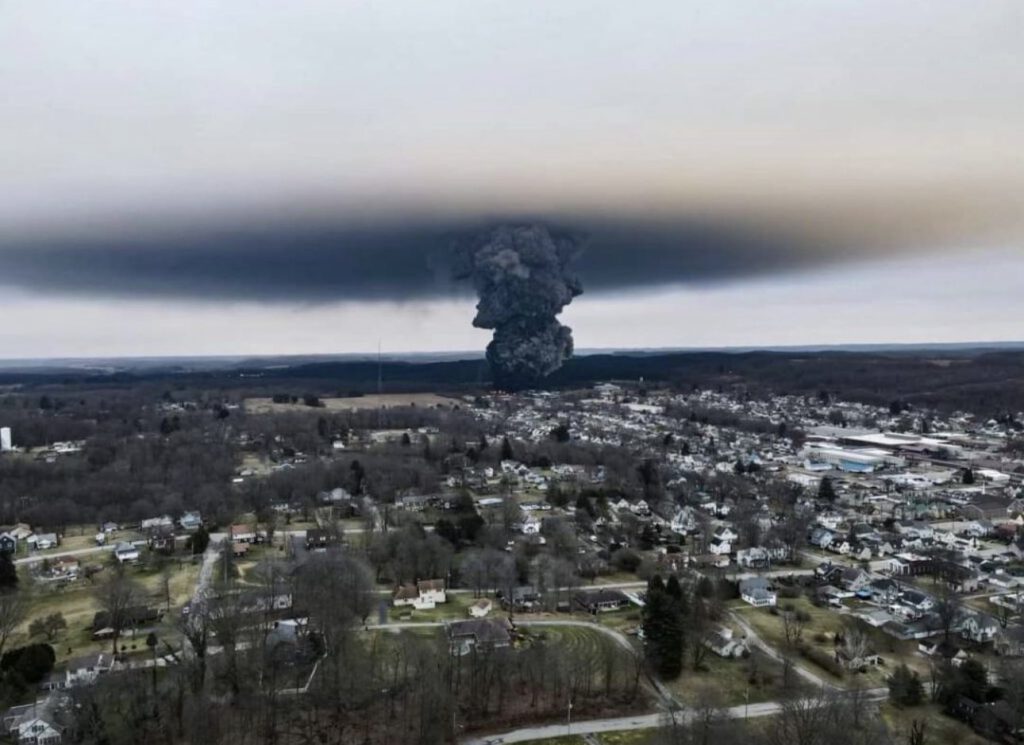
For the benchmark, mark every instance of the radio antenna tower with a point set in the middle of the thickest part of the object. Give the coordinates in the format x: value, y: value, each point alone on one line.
x: 380, y: 388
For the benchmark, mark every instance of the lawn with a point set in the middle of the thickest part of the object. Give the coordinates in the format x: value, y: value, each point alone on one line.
x: 77, y: 603
x: 457, y: 607
x: 819, y: 632
x: 734, y: 681
x: 629, y: 737
x: 939, y: 728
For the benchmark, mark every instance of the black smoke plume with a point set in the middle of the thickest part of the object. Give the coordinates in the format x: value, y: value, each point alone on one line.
x: 521, y: 274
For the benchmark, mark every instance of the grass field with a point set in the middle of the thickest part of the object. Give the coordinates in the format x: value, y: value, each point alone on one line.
x: 735, y: 681
x: 819, y: 633
x: 457, y: 607
x: 387, y: 400
x: 630, y: 737
x: 77, y: 603
x: 940, y: 729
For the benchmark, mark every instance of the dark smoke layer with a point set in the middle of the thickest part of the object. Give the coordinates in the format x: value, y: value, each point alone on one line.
x: 521, y: 274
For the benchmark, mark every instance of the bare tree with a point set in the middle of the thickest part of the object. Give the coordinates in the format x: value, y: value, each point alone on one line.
x: 13, y: 610
x: 793, y: 625
x: 117, y: 596
x: 947, y: 608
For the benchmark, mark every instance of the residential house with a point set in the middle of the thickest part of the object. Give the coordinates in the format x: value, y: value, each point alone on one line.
x: 153, y: 523
x: 162, y: 540
x: 979, y: 628
x: 757, y: 557
x: 524, y: 598
x: 38, y: 731
x: 944, y: 650
x: 724, y: 644
x: 243, y: 534
x: 822, y: 538
x: 320, y: 539
x: 725, y: 533
x: 432, y: 591
x: 683, y: 521
x: 1009, y: 642
x: 8, y: 543
x: 126, y: 552
x: 884, y: 591
x: 530, y: 526
x: 44, y: 541
x: 136, y: 617
x: 758, y: 592
x: 493, y: 633
x: 917, y: 600
x: 481, y: 608
x: 854, y: 579
x: 65, y: 568
x: 424, y: 595
x: 601, y: 601
x: 190, y: 521
x: 86, y: 669
x: 33, y: 723
x: 720, y: 547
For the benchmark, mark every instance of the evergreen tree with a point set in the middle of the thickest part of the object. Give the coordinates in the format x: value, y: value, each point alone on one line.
x: 200, y: 540
x: 663, y: 624
x: 905, y: 688
x: 8, y: 573
x: 826, y: 492
x: 506, y: 450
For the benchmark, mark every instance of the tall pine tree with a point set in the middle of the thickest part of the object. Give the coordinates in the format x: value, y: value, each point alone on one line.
x: 663, y: 626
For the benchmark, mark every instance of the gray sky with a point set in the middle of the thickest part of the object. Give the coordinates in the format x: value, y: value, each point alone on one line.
x: 226, y: 177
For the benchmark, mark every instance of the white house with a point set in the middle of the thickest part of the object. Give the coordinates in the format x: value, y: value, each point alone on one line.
x: 425, y: 595
x: 530, y: 526
x: 86, y: 669
x: 758, y: 592
x: 124, y: 552
x: 724, y: 644
x: 44, y: 541
x: 38, y: 731
x: 152, y: 523
x: 683, y: 521
x: 979, y: 628
x: 720, y: 547
x: 481, y: 608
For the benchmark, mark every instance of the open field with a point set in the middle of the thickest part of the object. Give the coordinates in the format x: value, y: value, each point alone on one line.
x: 356, y: 403
x: 940, y: 729
x: 734, y: 682
x: 819, y: 632
x: 631, y: 737
x: 77, y: 602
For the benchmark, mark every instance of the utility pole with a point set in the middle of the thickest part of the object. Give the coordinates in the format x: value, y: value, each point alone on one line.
x: 568, y: 717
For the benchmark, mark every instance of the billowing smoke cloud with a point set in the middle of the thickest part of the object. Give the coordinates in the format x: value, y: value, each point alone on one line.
x: 522, y: 275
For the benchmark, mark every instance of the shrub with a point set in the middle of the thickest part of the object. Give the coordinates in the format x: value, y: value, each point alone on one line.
x: 31, y: 663
x: 822, y: 659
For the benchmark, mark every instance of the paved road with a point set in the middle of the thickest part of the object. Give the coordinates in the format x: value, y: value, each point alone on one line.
x: 620, y: 724
x: 62, y: 554
x: 206, y: 570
